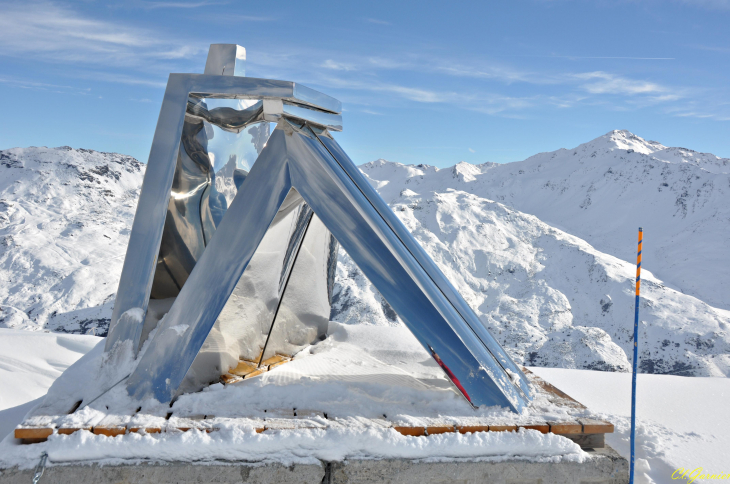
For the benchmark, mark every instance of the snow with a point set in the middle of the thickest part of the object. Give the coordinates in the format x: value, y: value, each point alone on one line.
x: 602, y: 191
x: 550, y: 298
x: 681, y: 421
x: 65, y: 218
x: 294, y: 446
x: 542, y: 249
x: 29, y: 363
x: 358, y: 372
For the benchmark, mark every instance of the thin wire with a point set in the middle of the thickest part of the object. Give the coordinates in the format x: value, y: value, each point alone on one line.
x: 286, y: 285
x: 105, y: 391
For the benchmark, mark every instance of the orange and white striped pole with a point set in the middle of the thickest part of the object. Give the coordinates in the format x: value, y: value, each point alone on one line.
x: 636, y: 356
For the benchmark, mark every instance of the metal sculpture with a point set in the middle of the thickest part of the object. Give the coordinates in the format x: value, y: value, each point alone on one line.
x: 241, y: 262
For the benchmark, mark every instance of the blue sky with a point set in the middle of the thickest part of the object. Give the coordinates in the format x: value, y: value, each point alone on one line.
x: 420, y: 82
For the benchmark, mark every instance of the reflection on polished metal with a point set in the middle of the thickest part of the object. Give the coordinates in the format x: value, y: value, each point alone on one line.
x: 226, y: 60
x: 240, y: 253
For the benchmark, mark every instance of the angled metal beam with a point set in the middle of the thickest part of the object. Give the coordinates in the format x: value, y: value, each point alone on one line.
x: 423, y: 262
x: 144, y: 243
x: 298, y: 158
x: 182, y: 333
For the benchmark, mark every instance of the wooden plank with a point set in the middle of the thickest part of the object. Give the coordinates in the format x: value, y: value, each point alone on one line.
x: 70, y: 430
x: 112, y: 425
x: 274, y: 359
x: 244, y: 368
x: 465, y: 429
x: 110, y: 431
x: 411, y: 431
x: 33, y: 433
x: 540, y: 427
x: 32, y: 441
x: 503, y: 428
x: 300, y: 413
x: 149, y: 430
x: 554, y: 394
x: 592, y: 426
x: 185, y: 429
x: 293, y: 424
x: 261, y: 370
x: 566, y: 427
x: 440, y: 430
x: 228, y: 379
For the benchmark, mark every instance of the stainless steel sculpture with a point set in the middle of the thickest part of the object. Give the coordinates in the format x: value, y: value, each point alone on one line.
x: 244, y: 259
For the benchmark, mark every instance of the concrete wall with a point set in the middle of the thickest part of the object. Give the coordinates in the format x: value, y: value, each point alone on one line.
x: 604, y: 467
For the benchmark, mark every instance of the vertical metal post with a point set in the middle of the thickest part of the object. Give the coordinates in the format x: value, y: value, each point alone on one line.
x: 636, y: 356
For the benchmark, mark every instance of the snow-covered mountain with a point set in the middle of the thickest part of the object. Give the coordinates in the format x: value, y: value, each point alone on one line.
x: 602, y: 191
x: 551, y: 298
x: 542, y: 249
x: 65, y: 218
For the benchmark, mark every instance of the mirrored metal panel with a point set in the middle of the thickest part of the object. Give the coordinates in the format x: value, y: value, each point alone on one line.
x: 366, y: 234
x: 235, y: 239
x: 186, y: 102
x: 221, y: 139
x: 286, y: 286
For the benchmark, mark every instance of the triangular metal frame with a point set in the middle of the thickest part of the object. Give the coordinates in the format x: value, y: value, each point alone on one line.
x: 305, y: 157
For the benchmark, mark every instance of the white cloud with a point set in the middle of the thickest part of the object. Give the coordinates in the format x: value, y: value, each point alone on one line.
x: 43, y: 86
x: 338, y: 66
x: 471, y: 151
x: 53, y: 33
x: 605, y: 83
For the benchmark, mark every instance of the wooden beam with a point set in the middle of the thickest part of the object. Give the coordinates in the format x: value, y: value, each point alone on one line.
x: 110, y: 431
x: 542, y: 427
x: 465, y: 429
x: 567, y: 427
x: 33, y: 433
x: 592, y: 426
x: 244, y: 368
x: 411, y: 431
x: 70, y: 430
x: 503, y: 428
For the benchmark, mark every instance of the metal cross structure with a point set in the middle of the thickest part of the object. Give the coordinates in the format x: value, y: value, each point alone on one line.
x: 235, y: 242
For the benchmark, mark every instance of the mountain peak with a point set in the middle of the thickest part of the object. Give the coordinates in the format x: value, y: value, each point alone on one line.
x: 622, y: 139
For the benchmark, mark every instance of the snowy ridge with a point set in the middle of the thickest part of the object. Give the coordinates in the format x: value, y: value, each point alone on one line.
x: 551, y: 298
x: 601, y: 191
x: 65, y: 217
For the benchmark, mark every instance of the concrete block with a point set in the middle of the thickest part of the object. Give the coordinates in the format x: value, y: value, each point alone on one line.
x: 605, y: 466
